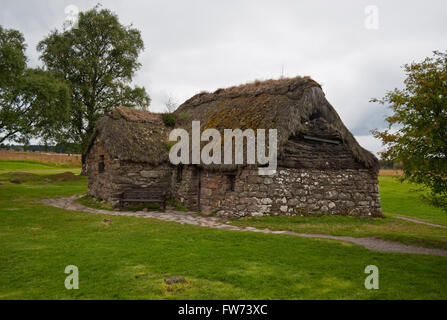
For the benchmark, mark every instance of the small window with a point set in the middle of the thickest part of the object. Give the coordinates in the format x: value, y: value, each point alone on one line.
x: 317, y: 139
x: 101, y: 165
x: 231, y: 182
x: 179, y: 173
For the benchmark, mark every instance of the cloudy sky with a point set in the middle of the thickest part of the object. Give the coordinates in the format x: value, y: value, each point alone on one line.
x: 355, y: 48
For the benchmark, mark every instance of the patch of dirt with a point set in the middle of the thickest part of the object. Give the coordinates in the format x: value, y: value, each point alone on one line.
x: 20, y: 177
x: 107, y: 221
x: 66, y: 176
x: 175, y: 279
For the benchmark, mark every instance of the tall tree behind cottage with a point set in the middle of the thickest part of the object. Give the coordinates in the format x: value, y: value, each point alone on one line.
x: 98, y: 57
x: 33, y: 102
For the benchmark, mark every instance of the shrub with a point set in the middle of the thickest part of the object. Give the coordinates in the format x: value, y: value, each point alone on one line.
x: 169, y: 119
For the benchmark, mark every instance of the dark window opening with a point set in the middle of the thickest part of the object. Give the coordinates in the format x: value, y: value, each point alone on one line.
x: 231, y: 182
x: 101, y: 165
x: 179, y: 173
x: 315, y: 115
x: 317, y: 139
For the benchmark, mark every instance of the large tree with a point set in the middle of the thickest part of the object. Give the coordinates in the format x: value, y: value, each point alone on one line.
x: 417, y: 131
x: 98, y: 57
x: 33, y: 102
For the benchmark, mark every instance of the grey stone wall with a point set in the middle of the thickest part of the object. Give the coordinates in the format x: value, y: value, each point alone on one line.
x: 101, y: 185
x: 292, y: 192
x: 186, y: 187
x: 289, y: 192
x: 119, y: 176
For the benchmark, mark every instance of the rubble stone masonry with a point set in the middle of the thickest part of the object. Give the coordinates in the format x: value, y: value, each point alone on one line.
x: 292, y: 192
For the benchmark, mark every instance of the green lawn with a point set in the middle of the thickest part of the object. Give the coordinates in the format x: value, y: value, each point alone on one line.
x: 129, y: 258
x: 405, y: 199
x: 34, y: 167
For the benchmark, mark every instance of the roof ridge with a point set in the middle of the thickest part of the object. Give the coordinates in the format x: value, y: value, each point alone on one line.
x: 283, y: 86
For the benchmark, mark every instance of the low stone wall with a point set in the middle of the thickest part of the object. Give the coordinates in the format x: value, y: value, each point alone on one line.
x: 292, y: 192
x: 46, y: 157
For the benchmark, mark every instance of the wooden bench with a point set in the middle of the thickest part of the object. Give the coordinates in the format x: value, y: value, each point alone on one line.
x: 144, y: 195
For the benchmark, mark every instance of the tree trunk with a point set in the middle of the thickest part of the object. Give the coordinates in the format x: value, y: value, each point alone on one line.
x: 84, y: 165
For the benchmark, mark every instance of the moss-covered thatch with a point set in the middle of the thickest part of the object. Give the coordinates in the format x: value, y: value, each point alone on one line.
x: 133, y: 135
x: 293, y: 106
x: 289, y: 105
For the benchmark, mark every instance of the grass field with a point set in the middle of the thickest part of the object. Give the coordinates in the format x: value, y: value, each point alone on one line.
x: 406, y: 199
x: 129, y: 258
x: 35, y: 167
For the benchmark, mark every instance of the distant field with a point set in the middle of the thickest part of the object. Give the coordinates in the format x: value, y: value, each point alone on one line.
x: 36, y: 167
x: 390, y: 172
x: 44, y: 157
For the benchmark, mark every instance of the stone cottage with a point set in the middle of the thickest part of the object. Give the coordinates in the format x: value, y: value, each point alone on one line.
x: 321, y: 167
x: 128, y: 150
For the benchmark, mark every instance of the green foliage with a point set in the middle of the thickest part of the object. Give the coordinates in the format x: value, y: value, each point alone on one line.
x: 417, y: 131
x: 33, y: 102
x: 177, y: 204
x: 169, y: 119
x: 99, y: 60
x: 12, y: 56
x: 170, y: 144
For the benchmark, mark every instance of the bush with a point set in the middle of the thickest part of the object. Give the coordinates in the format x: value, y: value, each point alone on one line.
x: 169, y: 119
x: 437, y: 200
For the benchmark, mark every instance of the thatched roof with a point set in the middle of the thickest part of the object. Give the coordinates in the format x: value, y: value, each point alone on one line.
x: 133, y: 135
x: 289, y: 105
x: 294, y: 106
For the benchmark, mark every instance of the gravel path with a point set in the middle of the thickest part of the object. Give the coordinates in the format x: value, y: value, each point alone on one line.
x: 371, y: 243
x: 420, y: 221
